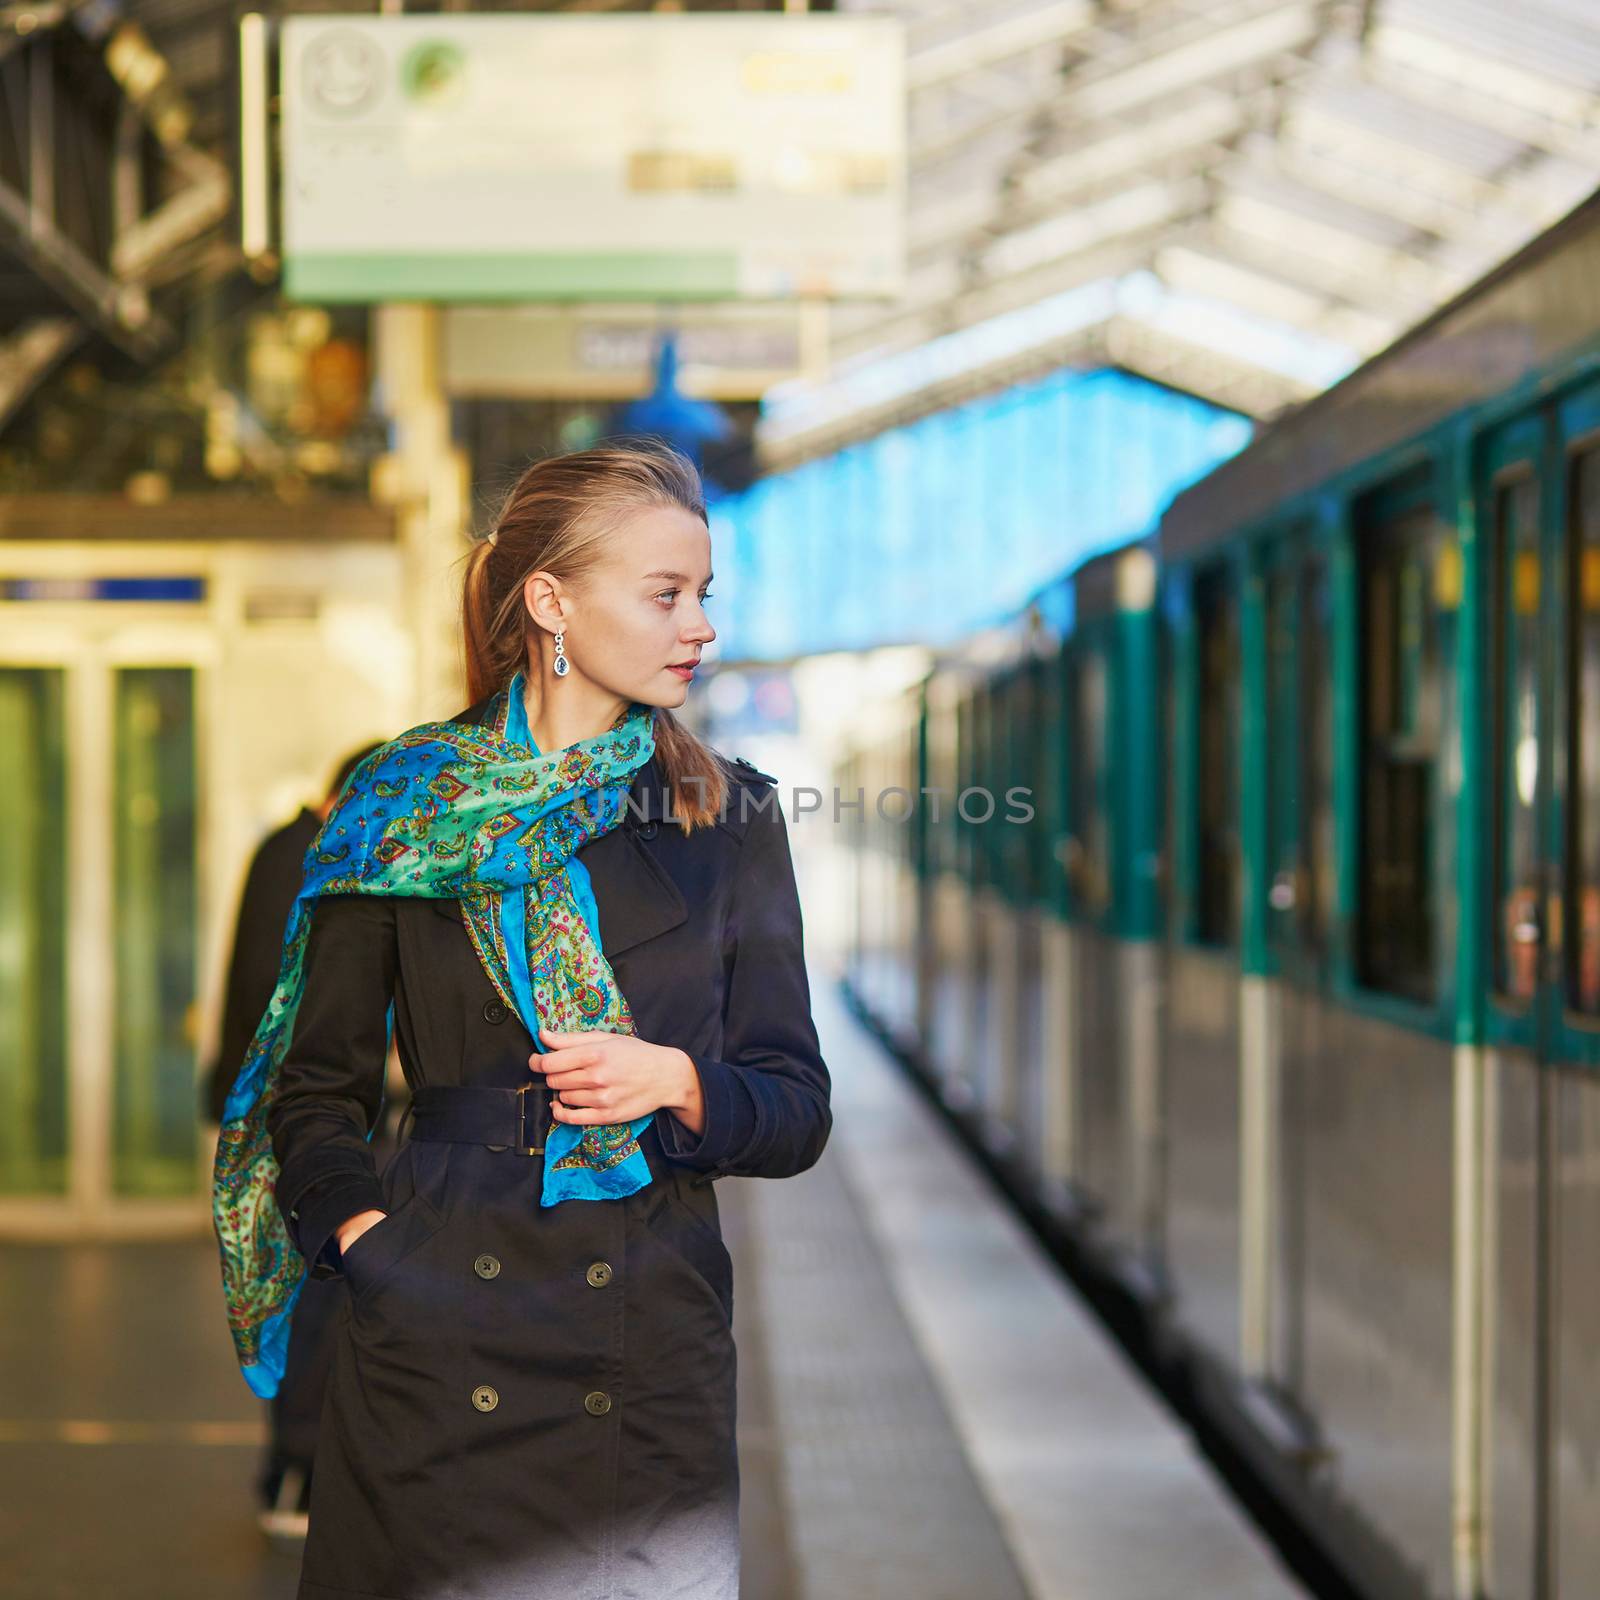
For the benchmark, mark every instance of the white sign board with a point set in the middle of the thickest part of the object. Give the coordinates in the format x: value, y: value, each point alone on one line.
x: 681, y: 156
x: 608, y: 351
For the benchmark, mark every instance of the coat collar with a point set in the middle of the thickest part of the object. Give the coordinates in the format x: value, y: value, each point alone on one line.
x: 636, y: 897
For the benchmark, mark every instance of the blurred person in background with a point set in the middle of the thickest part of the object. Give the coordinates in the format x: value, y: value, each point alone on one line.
x: 587, y: 923
x: 269, y: 890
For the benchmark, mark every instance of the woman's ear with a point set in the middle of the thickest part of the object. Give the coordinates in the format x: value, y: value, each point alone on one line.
x: 542, y: 599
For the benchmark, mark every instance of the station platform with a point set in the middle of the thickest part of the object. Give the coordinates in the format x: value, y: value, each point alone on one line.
x: 927, y: 1411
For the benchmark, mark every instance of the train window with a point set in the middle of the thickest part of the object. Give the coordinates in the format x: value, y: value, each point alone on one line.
x: 1582, y: 940
x: 1012, y: 836
x: 1315, y: 906
x: 937, y: 811
x: 1044, y: 831
x: 1281, y: 774
x: 1026, y: 734
x: 965, y: 764
x: 996, y: 832
x: 1092, y: 874
x: 1400, y: 723
x: 985, y: 746
x: 1514, y: 665
x: 1299, y: 760
x: 1169, y: 807
x: 913, y: 830
x: 1216, y: 615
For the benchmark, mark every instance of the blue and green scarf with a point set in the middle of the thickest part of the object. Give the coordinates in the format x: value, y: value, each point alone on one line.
x: 472, y: 812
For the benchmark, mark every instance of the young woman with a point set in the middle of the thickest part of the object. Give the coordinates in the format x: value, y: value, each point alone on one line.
x: 587, y: 925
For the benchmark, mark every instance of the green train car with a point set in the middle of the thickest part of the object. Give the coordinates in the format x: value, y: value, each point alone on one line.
x: 1285, y: 1001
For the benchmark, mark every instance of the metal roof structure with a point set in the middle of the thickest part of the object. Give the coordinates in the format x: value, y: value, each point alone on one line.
x: 1240, y: 198
x: 115, y: 191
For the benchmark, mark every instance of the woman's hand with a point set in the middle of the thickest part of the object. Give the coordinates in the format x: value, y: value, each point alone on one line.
x: 352, y: 1228
x: 615, y: 1077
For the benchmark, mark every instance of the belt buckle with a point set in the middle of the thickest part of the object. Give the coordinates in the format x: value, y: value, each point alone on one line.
x: 523, y: 1148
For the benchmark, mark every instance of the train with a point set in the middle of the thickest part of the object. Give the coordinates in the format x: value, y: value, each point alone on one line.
x: 1283, y: 1004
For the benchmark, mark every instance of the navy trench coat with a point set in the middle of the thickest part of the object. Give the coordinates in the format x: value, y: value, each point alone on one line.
x: 527, y: 1401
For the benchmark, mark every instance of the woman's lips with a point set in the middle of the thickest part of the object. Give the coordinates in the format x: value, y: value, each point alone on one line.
x: 686, y: 673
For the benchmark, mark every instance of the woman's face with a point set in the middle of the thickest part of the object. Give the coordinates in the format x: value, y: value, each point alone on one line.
x: 641, y: 611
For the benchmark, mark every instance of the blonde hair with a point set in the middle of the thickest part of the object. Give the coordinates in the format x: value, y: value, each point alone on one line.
x: 556, y: 518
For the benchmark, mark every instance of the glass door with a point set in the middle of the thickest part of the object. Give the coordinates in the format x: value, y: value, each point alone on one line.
x: 99, y: 924
x: 155, y: 907
x: 33, y: 931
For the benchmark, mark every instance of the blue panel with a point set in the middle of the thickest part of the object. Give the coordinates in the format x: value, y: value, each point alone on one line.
x: 188, y: 590
x: 951, y: 522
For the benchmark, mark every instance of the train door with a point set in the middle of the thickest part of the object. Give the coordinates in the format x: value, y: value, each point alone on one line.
x: 99, y: 922
x: 1298, y: 779
x: 1539, y: 502
x: 1561, y: 919
x: 1514, y: 508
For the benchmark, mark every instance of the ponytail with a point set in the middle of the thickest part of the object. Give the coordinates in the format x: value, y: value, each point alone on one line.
x: 476, y: 624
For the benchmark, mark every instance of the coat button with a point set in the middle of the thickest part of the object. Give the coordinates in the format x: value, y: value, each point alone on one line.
x: 487, y: 1266
x: 596, y: 1404
x: 599, y: 1273
x: 647, y: 830
x: 495, y: 1011
x: 485, y: 1398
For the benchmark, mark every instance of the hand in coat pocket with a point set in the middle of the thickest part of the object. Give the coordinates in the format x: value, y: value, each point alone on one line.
x: 352, y: 1228
x: 387, y: 1242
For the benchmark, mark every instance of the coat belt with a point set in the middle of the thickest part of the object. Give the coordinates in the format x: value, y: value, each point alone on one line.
x: 503, y: 1119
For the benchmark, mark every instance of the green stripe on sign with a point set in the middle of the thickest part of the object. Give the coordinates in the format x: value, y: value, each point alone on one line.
x: 579, y: 275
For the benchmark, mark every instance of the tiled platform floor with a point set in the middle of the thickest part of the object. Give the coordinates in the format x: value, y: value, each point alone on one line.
x: 925, y: 1410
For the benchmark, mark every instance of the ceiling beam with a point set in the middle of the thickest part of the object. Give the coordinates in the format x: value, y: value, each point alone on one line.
x: 1108, y: 261
x: 29, y: 354
x: 1040, y: 199
x: 1431, y: 90
x: 1117, y: 339
x: 1159, y: 64
x: 992, y: 42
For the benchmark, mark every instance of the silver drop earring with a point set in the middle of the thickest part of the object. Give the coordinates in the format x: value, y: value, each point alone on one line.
x: 562, y: 663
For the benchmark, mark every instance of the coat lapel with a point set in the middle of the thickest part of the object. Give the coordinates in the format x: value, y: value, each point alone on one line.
x: 636, y: 897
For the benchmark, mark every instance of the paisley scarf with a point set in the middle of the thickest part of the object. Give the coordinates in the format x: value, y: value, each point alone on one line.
x: 473, y: 812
